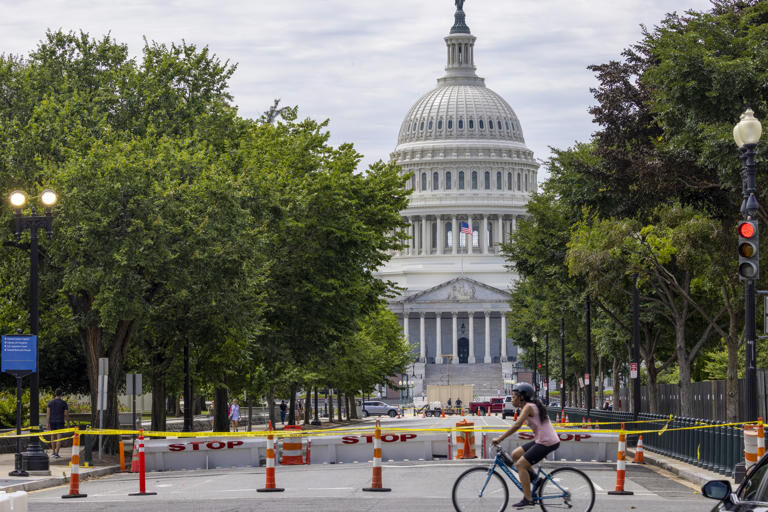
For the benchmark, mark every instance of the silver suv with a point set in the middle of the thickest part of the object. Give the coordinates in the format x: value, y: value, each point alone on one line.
x: 509, y: 409
x: 378, y: 409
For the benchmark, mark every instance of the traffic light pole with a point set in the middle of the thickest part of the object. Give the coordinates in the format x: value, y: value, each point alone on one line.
x: 750, y: 335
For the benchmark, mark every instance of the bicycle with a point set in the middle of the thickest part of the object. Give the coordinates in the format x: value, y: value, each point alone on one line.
x: 483, y: 488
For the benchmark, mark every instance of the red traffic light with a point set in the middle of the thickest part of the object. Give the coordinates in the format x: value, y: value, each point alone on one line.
x: 746, y: 230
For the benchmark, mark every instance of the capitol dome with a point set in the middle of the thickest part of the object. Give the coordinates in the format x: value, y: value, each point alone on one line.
x: 471, y: 177
x: 461, y: 111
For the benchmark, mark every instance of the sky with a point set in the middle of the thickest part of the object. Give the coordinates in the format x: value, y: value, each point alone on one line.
x: 363, y: 63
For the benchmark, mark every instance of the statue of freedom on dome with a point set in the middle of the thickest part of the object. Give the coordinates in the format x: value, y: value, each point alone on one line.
x: 459, y: 4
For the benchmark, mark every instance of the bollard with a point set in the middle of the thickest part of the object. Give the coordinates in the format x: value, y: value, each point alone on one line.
x: 450, y: 445
x: 376, y: 482
x: 88, y: 451
x: 621, y: 466
x: 122, y: 456
x: 760, y: 438
x: 270, y: 486
x: 142, y: 470
x: 485, y: 445
x: 74, y: 472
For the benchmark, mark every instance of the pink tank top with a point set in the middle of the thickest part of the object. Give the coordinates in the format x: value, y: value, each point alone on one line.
x: 544, y: 432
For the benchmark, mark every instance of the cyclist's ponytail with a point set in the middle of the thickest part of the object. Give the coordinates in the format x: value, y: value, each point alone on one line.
x: 543, y: 416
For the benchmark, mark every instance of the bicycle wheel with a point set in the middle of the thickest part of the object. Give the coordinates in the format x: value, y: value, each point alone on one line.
x: 567, y: 489
x: 466, y: 491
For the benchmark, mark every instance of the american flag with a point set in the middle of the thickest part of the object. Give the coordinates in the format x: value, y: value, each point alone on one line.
x: 466, y: 229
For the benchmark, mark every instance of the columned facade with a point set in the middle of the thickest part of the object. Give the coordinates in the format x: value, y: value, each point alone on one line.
x: 471, y: 177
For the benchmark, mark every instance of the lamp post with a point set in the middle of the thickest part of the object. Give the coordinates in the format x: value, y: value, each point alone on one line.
x: 535, y: 372
x: 546, y: 369
x: 34, y: 458
x: 562, y: 362
x: 747, y: 134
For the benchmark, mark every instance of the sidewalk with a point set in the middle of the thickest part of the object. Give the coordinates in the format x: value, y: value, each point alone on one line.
x: 688, y: 472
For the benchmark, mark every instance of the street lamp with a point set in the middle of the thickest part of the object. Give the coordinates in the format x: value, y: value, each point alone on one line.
x: 747, y: 134
x: 535, y: 373
x: 34, y: 459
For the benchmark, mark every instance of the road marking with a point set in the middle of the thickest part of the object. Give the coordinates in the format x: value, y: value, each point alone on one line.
x: 598, y: 488
x: 164, y: 485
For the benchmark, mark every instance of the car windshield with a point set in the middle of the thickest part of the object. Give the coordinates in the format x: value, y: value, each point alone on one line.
x: 751, y: 490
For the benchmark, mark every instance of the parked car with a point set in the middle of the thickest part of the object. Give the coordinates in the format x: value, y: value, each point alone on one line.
x: 752, y: 494
x: 509, y: 409
x: 378, y: 409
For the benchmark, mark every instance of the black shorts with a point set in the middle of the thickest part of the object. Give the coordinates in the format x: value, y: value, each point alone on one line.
x: 536, y: 452
x: 57, y: 426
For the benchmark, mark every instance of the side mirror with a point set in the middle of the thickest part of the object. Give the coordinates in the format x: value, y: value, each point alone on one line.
x: 716, y: 489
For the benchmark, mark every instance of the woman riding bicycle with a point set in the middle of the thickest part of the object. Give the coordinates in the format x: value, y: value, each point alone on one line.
x: 546, y: 440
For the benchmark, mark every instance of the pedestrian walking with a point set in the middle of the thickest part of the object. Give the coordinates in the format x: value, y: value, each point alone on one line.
x: 58, y: 416
x: 234, y: 414
x: 211, y: 413
x: 283, y: 411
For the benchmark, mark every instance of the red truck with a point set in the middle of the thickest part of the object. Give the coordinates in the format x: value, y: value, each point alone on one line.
x: 495, y: 405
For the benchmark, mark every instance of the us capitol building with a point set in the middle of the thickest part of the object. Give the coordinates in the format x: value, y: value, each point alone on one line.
x: 471, y: 171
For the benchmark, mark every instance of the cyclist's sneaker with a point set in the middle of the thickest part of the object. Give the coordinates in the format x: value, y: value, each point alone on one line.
x: 523, y: 504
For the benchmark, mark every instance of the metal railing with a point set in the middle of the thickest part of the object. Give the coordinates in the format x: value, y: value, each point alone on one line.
x: 712, y: 445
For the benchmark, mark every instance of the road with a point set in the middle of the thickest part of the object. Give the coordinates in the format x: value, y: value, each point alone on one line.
x: 416, y: 486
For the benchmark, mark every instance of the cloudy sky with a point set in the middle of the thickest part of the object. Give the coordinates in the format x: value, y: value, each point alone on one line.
x: 363, y: 63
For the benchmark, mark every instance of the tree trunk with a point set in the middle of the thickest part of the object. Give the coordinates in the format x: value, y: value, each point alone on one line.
x: 653, y: 385
x: 732, y: 382
x: 271, y: 405
x: 329, y: 399
x: 221, y: 406
x: 338, y: 401
x: 600, y: 384
x: 684, y: 382
x: 292, y: 407
x: 158, y: 401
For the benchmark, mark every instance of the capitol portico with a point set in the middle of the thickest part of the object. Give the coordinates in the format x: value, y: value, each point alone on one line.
x: 471, y: 177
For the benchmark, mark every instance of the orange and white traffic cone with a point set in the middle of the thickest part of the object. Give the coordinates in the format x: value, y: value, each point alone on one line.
x: 376, y: 483
x: 639, y: 456
x: 270, y: 485
x: 142, y: 472
x: 557, y: 419
x: 135, y: 457
x: 74, y: 472
x: 621, y: 466
x: 443, y: 414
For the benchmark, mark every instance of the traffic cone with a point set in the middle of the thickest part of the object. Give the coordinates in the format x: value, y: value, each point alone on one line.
x: 142, y: 472
x: 443, y: 414
x: 135, y: 457
x: 74, y: 472
x: 639, y: 457
x: 270, y: 486
x: 558, y: 418
x: 398, y: 413
x: 376, y: 483
x: 760, y: 438
x: 621, y: 466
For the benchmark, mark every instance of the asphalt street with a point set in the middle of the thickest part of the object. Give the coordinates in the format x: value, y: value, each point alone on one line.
x: 416, y: 486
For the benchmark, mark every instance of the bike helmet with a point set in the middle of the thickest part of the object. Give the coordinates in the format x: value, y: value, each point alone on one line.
x: 525, y: 390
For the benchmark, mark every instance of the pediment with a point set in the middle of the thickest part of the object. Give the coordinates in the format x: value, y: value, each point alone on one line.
x: 459, y: 290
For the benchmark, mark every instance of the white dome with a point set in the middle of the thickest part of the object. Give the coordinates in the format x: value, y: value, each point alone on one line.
x: 464, y: 111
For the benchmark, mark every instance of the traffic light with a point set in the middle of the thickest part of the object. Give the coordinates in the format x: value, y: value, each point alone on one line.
x: 749, y: 255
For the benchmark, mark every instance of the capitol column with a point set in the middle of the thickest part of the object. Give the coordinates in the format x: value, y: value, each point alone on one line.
x: 503, y: 336
x: 454, y: 235
x: 440, y: 235
x: 405, y: 324
x: 455, y: 348
x: 438, y: 340
x: 484, y: 231
x: 487, y: 358
x: 471, y: 338
x: 422, y: 340
x: 500, y: 237
x: 424, y: 236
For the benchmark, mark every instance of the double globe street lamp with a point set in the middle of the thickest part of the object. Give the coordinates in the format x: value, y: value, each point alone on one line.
x: 34, y: 458
x: 747, y: 134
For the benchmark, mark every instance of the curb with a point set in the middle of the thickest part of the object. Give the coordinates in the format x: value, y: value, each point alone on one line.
x: 688, y: 472
x: 53, y: 481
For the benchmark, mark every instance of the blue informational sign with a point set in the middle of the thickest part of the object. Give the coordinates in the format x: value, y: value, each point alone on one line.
x: 19, y: 353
